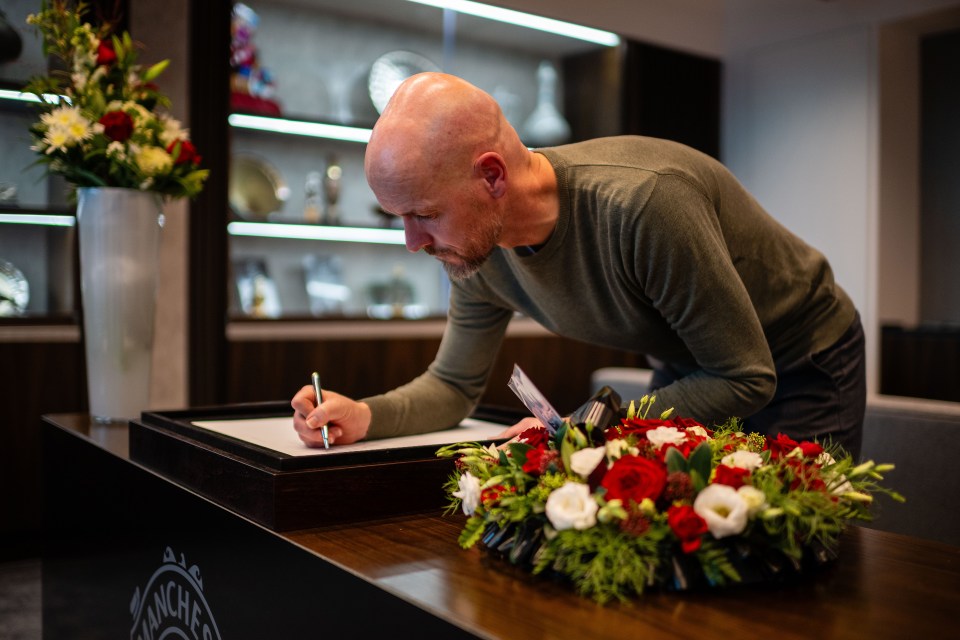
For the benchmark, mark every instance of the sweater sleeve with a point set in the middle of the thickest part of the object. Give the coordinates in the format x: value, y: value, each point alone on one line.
x: 454, y: 382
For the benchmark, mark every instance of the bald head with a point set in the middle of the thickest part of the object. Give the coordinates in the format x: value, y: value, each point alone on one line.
x: 431, y: 132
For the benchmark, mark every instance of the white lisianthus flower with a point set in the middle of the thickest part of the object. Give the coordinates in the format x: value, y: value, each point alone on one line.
x: 838, y: 484
x: 616, y: 448
x: 572, y: 507
x: 469, y: 493
x: 724, y: 510
x: 755, y: 499
x: 697, y: 430
x: 666, y: 435
x: 153, y: 160
x: 748, y: 460
x: 584, y: 461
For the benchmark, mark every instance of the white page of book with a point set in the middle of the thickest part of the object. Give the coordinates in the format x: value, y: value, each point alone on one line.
x: 278, y: 434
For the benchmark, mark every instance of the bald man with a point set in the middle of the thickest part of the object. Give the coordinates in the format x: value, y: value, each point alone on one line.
x: 632, y: 243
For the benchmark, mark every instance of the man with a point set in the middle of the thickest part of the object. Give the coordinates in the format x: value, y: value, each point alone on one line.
x: 633, y: 243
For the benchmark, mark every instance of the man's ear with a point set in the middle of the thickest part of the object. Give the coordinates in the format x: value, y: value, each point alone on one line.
x: 493, y: 170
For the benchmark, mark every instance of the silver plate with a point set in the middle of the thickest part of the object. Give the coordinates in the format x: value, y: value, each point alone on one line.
x: 256, y: 188
x: 14, y: 290
x: 390, y: 70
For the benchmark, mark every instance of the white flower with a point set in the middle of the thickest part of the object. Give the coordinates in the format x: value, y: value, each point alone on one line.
x: 666, y: 435
x: 697, y: 430
x: 117, y: 151
x: 172, y: 131
x: 755, y: 499
x: 469, y: 493
x: 723, y: 508
x: 748, y: 460
x: 838, y: 483
x: 572, y: 507
x: 153, y: 160
x: 584, y: 461
x: 618, y: 446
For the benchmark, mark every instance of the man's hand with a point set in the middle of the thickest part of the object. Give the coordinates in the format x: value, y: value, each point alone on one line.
x: 520, y: 427
x: 347, y: 420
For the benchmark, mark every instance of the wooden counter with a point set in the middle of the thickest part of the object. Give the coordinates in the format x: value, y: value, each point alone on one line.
x: 111, y: 521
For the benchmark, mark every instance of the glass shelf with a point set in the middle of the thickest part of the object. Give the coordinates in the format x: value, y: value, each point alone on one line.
x: 305, y: 128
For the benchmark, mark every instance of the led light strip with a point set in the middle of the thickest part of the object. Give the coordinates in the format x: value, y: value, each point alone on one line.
x: 300, y: 128
x: 527, y: 20
x: 9, y: 94
x: 315, y: 232
x: 36, y: 218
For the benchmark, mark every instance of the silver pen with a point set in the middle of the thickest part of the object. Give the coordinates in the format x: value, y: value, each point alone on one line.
x: 316, y: 387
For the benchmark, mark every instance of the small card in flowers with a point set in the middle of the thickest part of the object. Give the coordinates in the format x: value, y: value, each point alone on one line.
x: 533, y: 400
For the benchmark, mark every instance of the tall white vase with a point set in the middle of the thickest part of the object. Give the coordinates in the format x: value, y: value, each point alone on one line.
x: 119, y: 234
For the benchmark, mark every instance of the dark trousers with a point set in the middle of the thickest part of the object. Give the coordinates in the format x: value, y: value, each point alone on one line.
x: 822, y: 397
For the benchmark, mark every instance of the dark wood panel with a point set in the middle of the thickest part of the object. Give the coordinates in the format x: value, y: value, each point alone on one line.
x: 275, y: 370
x: 38, y: 378
x: 643, y: 89
x: 920, y: 363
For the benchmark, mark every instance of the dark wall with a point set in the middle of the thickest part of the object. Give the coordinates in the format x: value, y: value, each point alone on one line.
x: 940, y: 180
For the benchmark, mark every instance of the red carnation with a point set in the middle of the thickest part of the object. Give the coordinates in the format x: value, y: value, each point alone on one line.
x: 781, y: 445
x: 687, y: 526
x: 105, y: 53
x: 635, y: 478
x: 187, y: 154
x: 117, y: 125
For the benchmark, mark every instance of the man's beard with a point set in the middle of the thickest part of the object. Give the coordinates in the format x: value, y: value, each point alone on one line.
x: 479, y: 246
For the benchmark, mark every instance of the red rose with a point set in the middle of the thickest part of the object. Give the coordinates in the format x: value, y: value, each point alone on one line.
x: 810, y: 449
x: 685, y: 423
x: 687, y: 526
x: 638, y: 426
x: 188, y: 153
x: 731, y: 476
x: 105, y: 52
x: 117, y: 125
x: 534, y: 436
x: 781, y: 445
x: 634, y: 478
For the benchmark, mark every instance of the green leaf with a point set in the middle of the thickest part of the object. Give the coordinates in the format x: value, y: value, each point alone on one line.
x: 700, y: 461
x: 675, y: 461
x: 519, y: 451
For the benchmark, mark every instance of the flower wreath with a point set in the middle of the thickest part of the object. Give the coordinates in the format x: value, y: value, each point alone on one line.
x: 635, y: 502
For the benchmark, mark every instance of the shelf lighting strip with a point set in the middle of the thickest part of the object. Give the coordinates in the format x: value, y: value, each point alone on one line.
x: 41, y: 219
x: 315, y: 232
x: 20, y: 96
x: 300, y: 128
x: 527, y: 20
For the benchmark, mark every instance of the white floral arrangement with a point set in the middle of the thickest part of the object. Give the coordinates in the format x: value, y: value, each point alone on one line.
x: 103, y: 121
x: 658, y: 502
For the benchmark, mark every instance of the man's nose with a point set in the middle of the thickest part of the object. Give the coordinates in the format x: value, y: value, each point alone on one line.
x: 415, y: 237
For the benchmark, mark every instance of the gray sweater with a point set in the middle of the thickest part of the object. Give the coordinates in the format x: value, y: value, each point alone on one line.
x: 658, y: 250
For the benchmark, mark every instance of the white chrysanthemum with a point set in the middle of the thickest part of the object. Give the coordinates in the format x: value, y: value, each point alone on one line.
x: 469, y: 493
x: 64, y: 118
x: 748, y: 460
x: 724, y: 510
x: 584, y: 461
x: 153, y: 161
x: 572, y: 507
x: 56, y: 139
x: 666, y: 435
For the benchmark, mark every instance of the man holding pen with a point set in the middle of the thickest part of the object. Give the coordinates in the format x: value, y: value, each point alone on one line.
x: 632, y: 243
